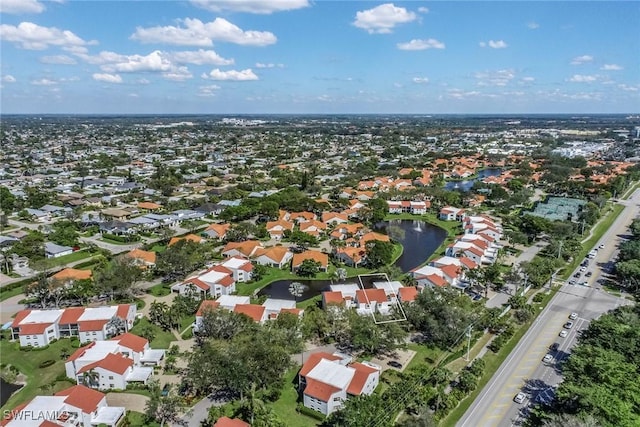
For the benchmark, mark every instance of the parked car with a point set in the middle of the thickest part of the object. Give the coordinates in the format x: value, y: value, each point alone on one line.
x: 601, y: 246
x: 563, y: 333
x: 568, y: 325
x: 589, y: 274
x: 547, y: 358
x: 394, y: 364
x: 555, y: 346
x: 573, y: 316
x: 519, y: 398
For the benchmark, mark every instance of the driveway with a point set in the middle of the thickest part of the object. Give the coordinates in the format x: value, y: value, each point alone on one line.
x: 401, y: 356
x: 10, y: 307
x: 130, y: 401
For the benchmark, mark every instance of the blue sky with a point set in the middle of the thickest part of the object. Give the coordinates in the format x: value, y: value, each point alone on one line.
x: 301, y: 56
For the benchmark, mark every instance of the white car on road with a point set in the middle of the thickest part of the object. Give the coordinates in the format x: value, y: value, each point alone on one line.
x: 519, y: 398
x: 573, y: 316
x: 547, y: 358
x: 563, y: 333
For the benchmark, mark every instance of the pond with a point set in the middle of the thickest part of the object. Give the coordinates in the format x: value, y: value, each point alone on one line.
x: 467, y: 184
x: 419, y: 240
x: 6, y: 390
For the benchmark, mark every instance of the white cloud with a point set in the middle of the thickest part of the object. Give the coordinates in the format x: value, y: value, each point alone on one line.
x: 143, y: 81
x: 581, y: 78
x: 533, y: 25
x: 243, y: 75
x: 461, y: 94
x: 21, y: 6
x: 44, y: 82
x: 31, y: 36
x: 134, y: 95
x: 382, y: 19
x: 178, y: 74
x: 251, y: 6
x: 421, y: 80
x: 200, y: 57
x: 421, y: 44
x: 8, y: 78
x: 495, y: 78
x: 482, y: 44
x: 58, y: 59
x: 107, y: 78
x: 581, y: 59
x: 194, y: 32
x: 155, y: 61
x: 528, y: 79
x: 611, y: 67
x: 423, y: 10
x: 628, y: 88
x: 208, y: 90
x: 269, y: 65
x: 495, y: 44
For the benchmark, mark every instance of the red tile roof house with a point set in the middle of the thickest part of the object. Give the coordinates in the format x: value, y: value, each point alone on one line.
x: 449, y: 213
x: 76, y: 406
x: 317, y: 256
x: 429, y: 276
x: 370, y: 301
x: 241, y: 268
x: 98, y: 356
x: 38, y: 327
x: 214, y: 282
x: 327, y: 380
x: 276, y: 256
x: 230, y: 422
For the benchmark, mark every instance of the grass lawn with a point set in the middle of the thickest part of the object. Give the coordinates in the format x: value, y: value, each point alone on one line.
x: 11, y: 293
x: 159, y: 290
x: 162, y: 339
x: 285, y: 406
x: 76, y: 256
x: 630, y: 191
x: 309, y: 302
x: 138, y: 419
x: 27, y: 362
x: 458, y: 364
x: 115, y: 242
x: 424, y: 355
x: 158, y: 248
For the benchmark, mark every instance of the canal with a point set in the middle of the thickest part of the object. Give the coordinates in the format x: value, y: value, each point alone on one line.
x: 6, y: 390
x: 419, y: 240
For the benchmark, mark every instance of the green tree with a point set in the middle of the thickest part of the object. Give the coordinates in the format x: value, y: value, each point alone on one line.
x: 379, y: 253
x: 7, y: 200
x: 362, y: 411
x: 308, y: 268
x: 118, y: 278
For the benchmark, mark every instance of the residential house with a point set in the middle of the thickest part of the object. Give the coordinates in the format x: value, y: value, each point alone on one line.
x: 370, y: 301
x: 188, y: 237
x: 230, y: 422
x: 353, y: 257
x: 39, y: 215
x: 242, y: 249
x: 38, y: 327
x: 328, y: 380
x: 313, y: 227
x: 217, y: 231
x: 214, y: 282
x: 241, y: 268
x: 106, y: 359
x: 51, y: 250
x: 275, y: 256
x: 77, y: 406
x: 144, y: 259
x: 276, y: 229
x: 449, y: 213
x: 70, y: 275
x: 317, y: 256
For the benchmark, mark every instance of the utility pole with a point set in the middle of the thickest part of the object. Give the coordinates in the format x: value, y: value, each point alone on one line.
x: 560, y: 248
x: 468, y: 341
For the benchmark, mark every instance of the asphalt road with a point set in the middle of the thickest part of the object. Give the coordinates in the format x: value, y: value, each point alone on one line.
x: 524, y: 370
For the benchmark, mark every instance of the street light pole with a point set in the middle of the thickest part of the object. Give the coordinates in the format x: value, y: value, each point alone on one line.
x: 468, y: 341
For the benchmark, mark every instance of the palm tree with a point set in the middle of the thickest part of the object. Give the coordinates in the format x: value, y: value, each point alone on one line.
x: 91, y: 378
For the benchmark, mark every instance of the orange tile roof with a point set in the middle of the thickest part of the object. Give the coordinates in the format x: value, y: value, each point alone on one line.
x: 319, y: 390
x: 451, y: 270
x: 254, y: 311
x: 317, y: 256
x: 364, y: 296
x: 149, y: 206
x: 332, y: 297
x: 230, y: 422
x: 34, y: 328
x: 246, y: 248
x: 276, y: 253
x: 72, y: 274
x: 436, y: 280
x: 71, y: 315
x: 205, y: 305
x: 294, y: 311
x: 82, y: 397
x: 190, y: 237
x: 359, y: 378
x: 91, y: 325
x: 226, y: 281
x: 468, y: 262
x: 131, y: 341
x: 123, y: 310
x: 408, y: 293
x: 146, y: 256
x: 20, y: 316
x: 220, y: 229
x: 112, y: 362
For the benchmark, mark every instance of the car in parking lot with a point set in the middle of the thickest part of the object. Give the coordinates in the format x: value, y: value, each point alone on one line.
x: 555, y: 346
x: 583, y: 269
x: 519, y: 398
x: 573, y: 316
x: 589, y: 274
x: 585, y: 283
x: 601, y: 246
x: 563, y: 333
x: 577, y: 274
x: 568, y: 325
x: 394, y: 364
x: 547, y: 358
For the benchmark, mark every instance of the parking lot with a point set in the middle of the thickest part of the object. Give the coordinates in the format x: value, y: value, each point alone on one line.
x: 403, y: 357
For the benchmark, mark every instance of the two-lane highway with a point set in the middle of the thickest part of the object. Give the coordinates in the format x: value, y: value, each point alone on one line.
x: 524, y: 369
